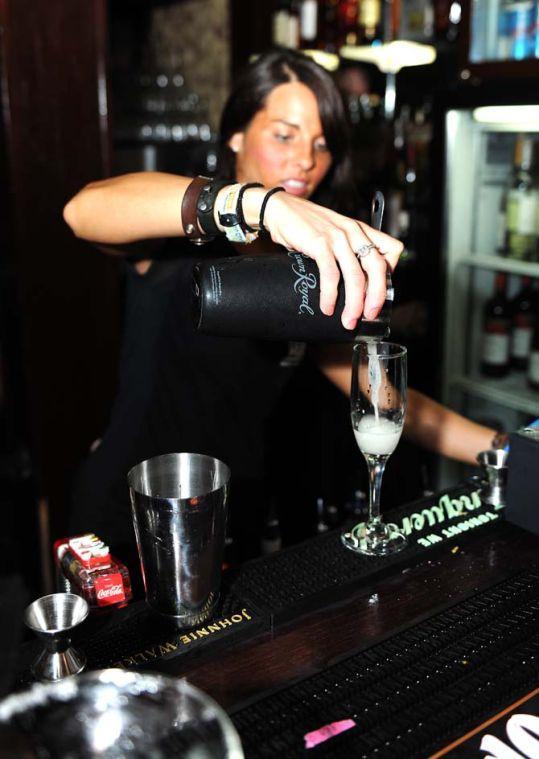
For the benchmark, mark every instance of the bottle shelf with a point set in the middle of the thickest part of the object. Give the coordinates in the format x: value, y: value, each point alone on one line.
x: 498, y: 263
x: 511, y: 391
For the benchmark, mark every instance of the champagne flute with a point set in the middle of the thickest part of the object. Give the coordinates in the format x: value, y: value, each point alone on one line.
x: 378, y: 406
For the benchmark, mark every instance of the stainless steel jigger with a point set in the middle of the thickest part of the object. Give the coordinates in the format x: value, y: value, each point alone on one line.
x: 53, y: 618
x: 494, y: 466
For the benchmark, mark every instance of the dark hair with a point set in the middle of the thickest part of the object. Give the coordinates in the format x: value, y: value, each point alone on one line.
x: 248, y: 97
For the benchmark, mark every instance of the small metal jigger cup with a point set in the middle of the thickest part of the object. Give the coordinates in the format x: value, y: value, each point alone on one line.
x: 494, y: 466
x: 53, y: 618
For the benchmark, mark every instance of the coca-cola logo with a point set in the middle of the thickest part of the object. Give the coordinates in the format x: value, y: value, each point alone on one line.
x: 305, y: 282
x: 114, y: 590
x: 109, y: 589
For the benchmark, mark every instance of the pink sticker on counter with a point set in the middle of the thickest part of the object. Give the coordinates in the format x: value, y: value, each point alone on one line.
x: 328, y: 731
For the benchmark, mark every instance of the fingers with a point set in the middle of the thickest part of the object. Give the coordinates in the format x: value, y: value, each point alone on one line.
x: 321, y: 250
x: 373, y: 263
x: 380, y: 252
x: 332, y: 239
x: 354, y: 279
x: 390, y: 248
x: 364, y: 278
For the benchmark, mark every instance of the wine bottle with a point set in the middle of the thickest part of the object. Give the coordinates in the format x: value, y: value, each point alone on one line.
x: 274, y: 297
x: 533, y: 365
x: 522, y: 201
x: 496, y: 331
x: 523, y: 319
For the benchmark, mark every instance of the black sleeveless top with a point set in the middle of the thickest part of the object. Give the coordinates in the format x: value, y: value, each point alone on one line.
x: 178, y: 391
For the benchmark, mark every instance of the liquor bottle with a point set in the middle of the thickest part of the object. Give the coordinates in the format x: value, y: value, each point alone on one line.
x: 369, y: 21
x: 522, y: 198
x: 496, y: 331
x: 308, y: 24
x: 533, y: 365
x: 523, y: 307
x: 273, y: 297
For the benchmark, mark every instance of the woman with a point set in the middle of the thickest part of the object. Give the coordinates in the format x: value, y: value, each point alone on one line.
x: 283, y: 125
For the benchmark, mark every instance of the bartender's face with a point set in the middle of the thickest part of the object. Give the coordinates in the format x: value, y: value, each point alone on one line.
x: 284, y: 143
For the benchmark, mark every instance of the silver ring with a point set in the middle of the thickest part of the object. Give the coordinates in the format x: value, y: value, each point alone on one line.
x: 364, y: 250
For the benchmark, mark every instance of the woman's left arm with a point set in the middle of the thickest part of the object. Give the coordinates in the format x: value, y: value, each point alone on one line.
x: 428, y: 423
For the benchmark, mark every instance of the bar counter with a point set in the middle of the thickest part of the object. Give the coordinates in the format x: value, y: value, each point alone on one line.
x: 261, y: 648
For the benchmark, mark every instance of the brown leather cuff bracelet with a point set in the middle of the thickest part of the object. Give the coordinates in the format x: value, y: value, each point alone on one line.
x: 189, y: 211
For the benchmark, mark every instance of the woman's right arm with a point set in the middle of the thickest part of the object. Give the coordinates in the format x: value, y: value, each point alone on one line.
x: 128, y: 208
x: 147, y: 205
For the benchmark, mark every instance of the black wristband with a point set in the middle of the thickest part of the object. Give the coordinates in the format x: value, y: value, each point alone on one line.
x: 265, y: 203
x: 243, y: 223
x: 206, y: 203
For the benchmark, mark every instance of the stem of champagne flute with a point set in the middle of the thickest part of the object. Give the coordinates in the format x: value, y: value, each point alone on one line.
x: 376, y: 467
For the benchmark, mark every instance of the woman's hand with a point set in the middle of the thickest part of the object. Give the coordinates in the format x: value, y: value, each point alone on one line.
x: 334, y: 242
x: 146, y: 205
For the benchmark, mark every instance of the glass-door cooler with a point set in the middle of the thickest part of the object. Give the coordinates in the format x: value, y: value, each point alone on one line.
x: 491, y: 259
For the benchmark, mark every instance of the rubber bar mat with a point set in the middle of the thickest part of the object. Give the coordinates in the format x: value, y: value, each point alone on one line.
x: 134, y: 637
x: 414, y: 693
x: 321, y: 570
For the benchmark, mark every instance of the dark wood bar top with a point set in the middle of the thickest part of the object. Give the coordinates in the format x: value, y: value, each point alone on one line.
x: 373, y: 612
x: 411, y: 652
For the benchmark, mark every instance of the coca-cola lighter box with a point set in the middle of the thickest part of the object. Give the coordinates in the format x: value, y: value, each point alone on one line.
x: 92, y: 572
